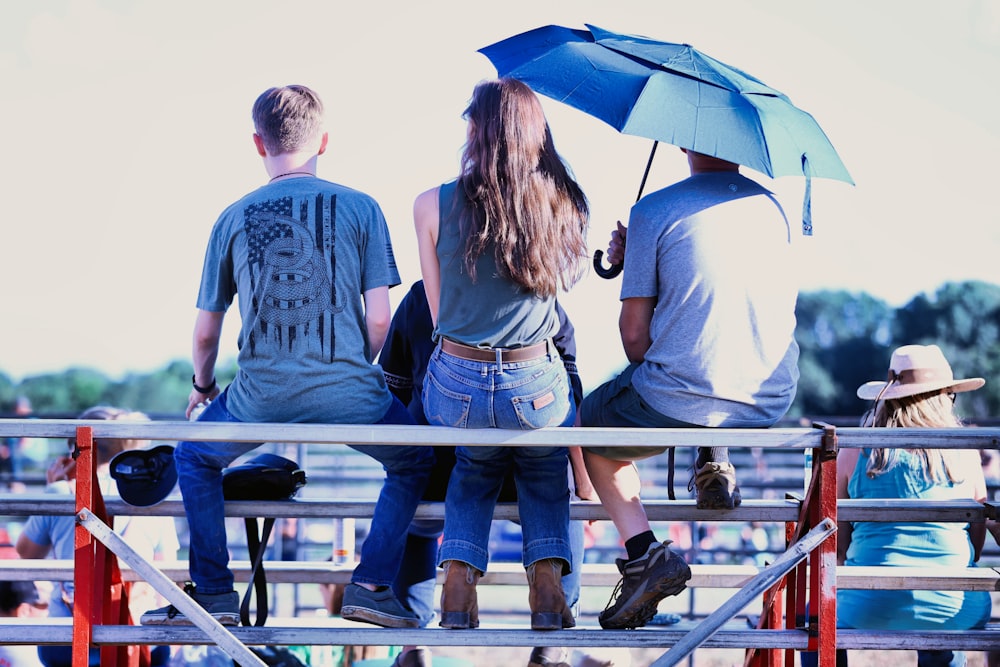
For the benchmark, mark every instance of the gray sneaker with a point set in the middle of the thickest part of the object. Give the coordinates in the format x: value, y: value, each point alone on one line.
x: 224, y: 607
x: 645, y: 581
x: 376, y: 607
x: 716, y: 486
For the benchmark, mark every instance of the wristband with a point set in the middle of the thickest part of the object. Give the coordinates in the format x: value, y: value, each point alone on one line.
x: 203, y: 390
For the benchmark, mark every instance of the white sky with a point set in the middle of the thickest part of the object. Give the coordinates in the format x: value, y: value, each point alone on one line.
x: 128, y: 130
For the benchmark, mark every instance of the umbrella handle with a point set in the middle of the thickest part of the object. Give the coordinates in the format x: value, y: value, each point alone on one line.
x: 611, y: 272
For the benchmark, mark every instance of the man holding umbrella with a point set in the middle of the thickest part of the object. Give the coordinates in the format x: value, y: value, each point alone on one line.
x: 708, y: 294
x: 707, y: 322
x: 708, y: 298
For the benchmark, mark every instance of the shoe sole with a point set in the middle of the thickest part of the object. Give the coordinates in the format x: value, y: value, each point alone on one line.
x: 365, y: 615
x: 641, y: 609
x: 229, y: 620
x: 717, y: 501
x: 458, y: 620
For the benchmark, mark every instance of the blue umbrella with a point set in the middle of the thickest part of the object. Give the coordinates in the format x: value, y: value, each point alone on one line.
x: 675, y: 94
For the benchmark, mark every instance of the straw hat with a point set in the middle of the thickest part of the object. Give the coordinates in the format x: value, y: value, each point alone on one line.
x: 917, y: 369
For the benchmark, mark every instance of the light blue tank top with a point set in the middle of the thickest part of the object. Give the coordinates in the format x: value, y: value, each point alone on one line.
x: 493, y: 311
x: 910, y: 544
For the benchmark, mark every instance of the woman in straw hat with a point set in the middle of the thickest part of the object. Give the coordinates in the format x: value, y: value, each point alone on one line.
x: 919, y: 392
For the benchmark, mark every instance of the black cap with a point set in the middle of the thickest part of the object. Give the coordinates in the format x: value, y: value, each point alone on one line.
x: 144, y: 476
x: 15, y: 593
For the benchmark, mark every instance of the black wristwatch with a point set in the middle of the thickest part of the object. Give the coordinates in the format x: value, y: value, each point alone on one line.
x: 203, y: 390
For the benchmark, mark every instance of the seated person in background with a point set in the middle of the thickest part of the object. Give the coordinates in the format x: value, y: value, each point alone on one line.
x: 920, y: 392
x: 153, y: 537
x: 20, y: 599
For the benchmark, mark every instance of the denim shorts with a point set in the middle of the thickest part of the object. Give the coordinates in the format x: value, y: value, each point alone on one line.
x: 523, y: 395
x: 617, y: 403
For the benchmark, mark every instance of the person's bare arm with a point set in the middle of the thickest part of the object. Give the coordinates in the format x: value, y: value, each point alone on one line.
x: 633, y: 323
x: 972, y: 473
x: 426, y: 221
x: 378, y: 314
x: 204, y: 354
x: 847, y: 460
x: 26, y: 548
x: 583, y: 487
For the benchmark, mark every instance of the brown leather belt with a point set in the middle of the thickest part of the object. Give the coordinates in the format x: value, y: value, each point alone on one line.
x: 506, y: 355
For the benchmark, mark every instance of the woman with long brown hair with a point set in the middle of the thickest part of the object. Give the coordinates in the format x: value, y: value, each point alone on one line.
x: 496, y: 247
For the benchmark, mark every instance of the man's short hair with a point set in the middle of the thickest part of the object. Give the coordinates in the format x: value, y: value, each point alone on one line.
x: 288, y: 118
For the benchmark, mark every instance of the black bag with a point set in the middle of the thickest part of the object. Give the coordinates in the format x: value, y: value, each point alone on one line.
x: 264, y: 477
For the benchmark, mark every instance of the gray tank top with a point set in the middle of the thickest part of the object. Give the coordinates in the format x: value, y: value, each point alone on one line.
x: 492, y: 312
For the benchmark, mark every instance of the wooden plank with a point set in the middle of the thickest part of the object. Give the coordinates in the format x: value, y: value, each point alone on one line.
x: 512, y: 574
x: 657, y: 510
x: 918, y: 578
x: 338, y: 632
x: 910, y: 509
x: 335, y: 631
x: 781, y: 438
x: 354, y: 434
x: 911, y: 640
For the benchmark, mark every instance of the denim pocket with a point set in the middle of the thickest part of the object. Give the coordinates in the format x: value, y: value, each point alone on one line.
x: 545, y: 407
x: 442, y: 406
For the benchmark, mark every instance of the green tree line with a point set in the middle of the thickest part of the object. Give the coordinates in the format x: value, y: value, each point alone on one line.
x: 845, y: 339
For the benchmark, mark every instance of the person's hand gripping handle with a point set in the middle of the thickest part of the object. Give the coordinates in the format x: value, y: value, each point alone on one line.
x: 616, y: 254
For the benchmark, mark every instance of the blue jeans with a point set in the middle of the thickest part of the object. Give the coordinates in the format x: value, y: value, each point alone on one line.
x: 521, y: 395
x: 414, y: 586
x: 199, y: 473
x: 925, y: 658
x: 62, y: 656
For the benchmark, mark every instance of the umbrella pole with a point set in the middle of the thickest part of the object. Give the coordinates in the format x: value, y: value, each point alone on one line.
x: 615, y: 269
x: 645, y: 174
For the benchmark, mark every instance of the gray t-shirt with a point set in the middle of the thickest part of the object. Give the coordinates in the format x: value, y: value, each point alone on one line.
x: 494, y: 311
x: 299, y: 254
x: 714, y: 250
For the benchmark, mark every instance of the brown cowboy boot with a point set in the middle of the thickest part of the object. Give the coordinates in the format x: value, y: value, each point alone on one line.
x: 459, y: 605
x: 546, y: 598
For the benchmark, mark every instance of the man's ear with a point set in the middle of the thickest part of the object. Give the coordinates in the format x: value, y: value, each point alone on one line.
x: 259, y: 143
x: 322, y: 143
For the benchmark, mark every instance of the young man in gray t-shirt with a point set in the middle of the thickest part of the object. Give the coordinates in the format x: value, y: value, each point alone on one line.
x: 310, y: 263
x: 707, y: 322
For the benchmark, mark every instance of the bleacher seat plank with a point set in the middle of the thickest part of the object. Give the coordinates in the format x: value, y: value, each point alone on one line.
x: 334, y: 631
x: 512, y: 574
x: 781, y: 511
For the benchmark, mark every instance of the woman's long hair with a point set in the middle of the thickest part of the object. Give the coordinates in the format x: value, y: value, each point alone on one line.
x: 523, y: 200
x: 930, y: 410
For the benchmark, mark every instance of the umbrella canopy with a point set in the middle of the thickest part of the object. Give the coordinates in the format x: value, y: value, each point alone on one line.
x: 671, y: 93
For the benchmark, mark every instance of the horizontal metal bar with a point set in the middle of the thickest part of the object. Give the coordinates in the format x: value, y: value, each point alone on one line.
x: 355, y: 434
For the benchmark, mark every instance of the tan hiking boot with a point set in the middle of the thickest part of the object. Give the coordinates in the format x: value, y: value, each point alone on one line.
x: 645, y: 581
x: 716, y: 486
